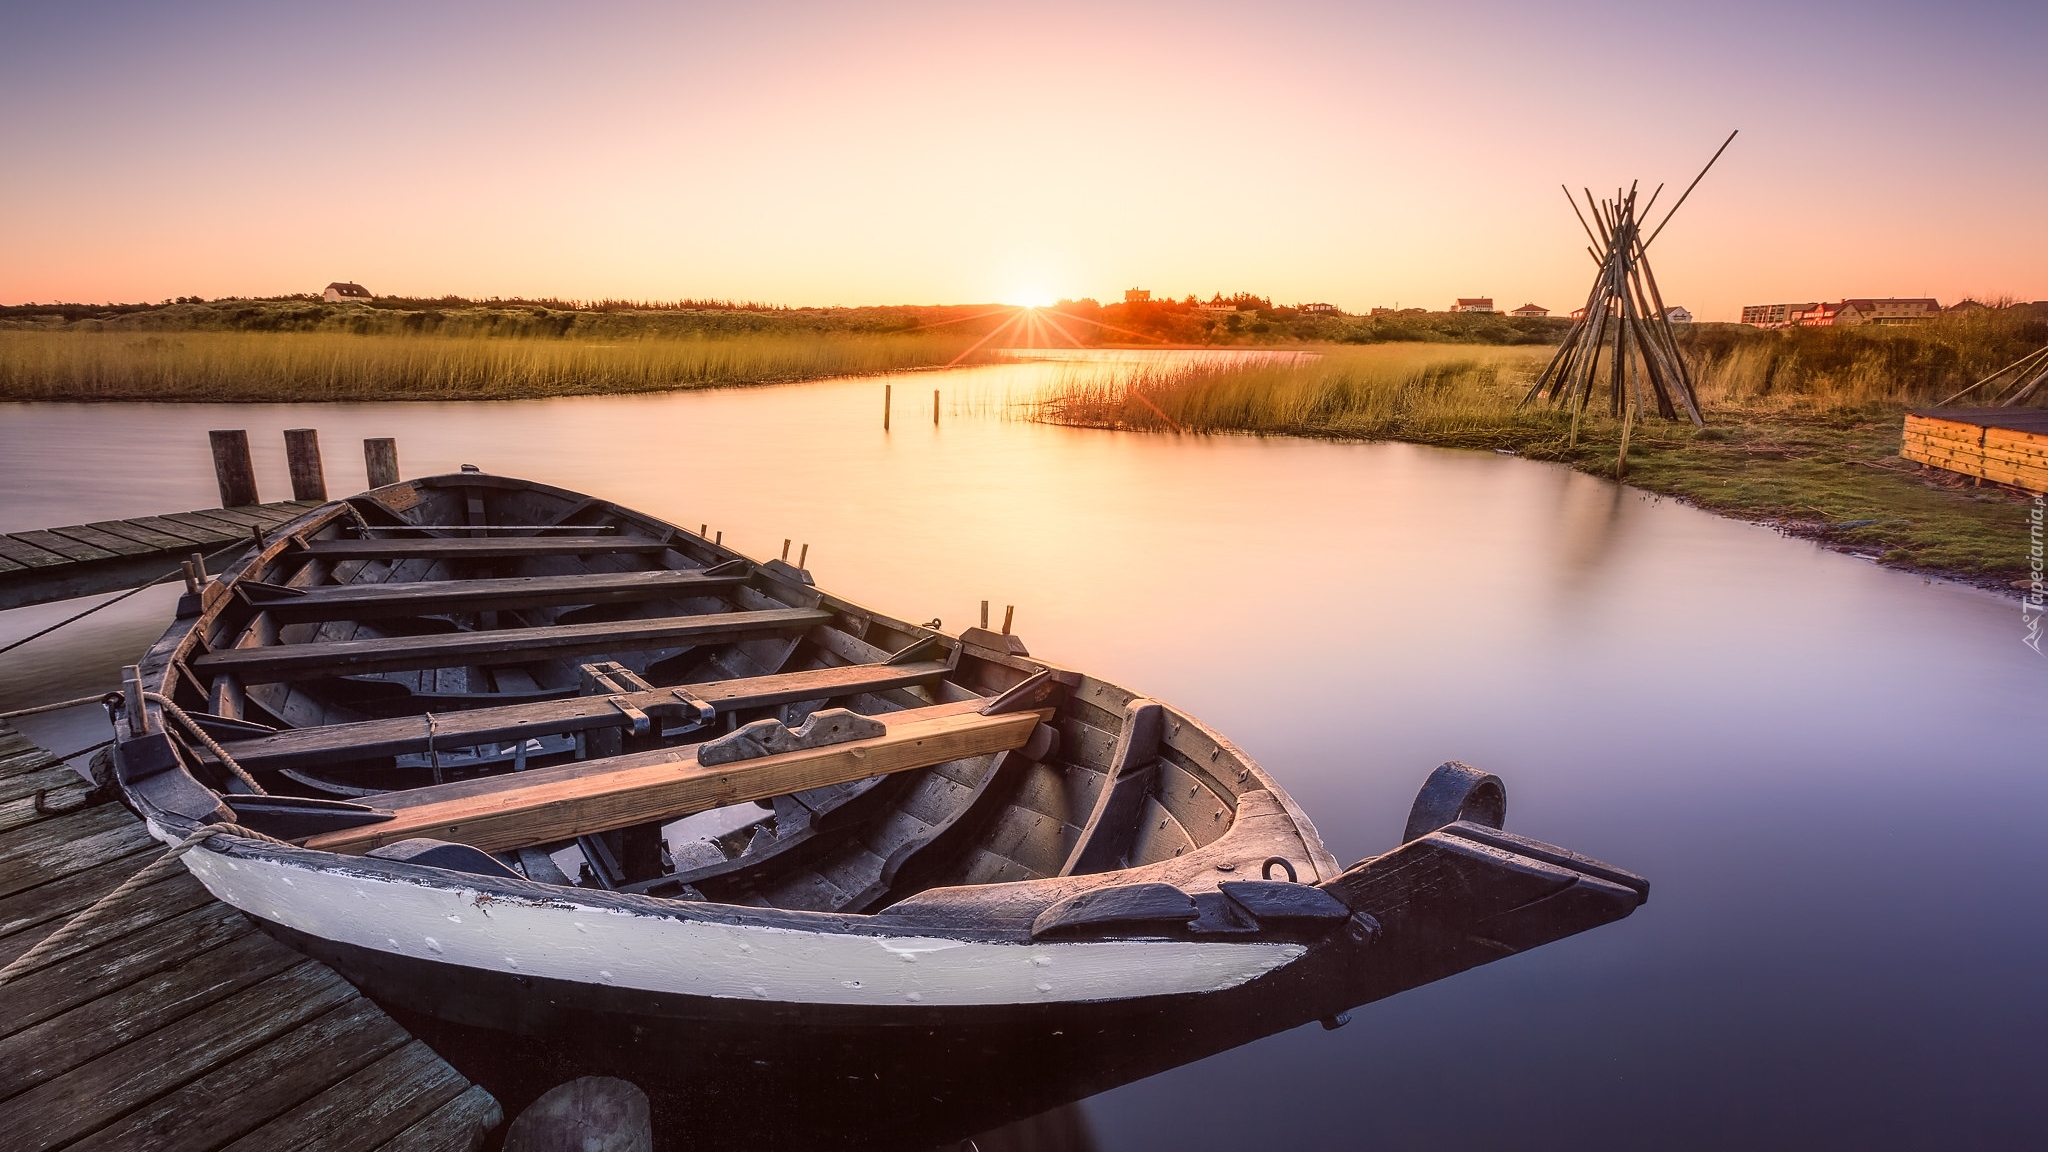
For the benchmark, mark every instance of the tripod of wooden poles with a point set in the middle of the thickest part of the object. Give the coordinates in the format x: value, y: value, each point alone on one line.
x: 1624, y: 333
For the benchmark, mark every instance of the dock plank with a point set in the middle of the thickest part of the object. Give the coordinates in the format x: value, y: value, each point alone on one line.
x: 136, y: 530
x: 62, y: 845
x: 172, y: 1089
x: 457, y: 1126
x: 105, y: 541
x: 175, y: 1024
x: 28, y: 555
x: 361, y: 1112
x: 67, y: 548
x: 47, y: 1050
x: 190, y: 534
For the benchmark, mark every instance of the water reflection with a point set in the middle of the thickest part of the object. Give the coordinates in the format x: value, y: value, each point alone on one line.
x: 1831, y: 771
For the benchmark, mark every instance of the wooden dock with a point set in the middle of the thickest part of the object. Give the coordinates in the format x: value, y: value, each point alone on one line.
x: 2006, y: 445
x: 175, y: 1025
x: 113, y: 555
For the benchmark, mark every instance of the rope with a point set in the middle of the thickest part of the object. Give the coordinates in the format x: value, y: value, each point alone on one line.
x: 193, y: 727
x: 96, y: 911
x: 433, y: 757
x: 112, y: 600
x: 59, y: 706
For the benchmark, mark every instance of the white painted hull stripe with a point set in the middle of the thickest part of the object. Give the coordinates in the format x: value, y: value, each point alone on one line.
x: 566, y: 941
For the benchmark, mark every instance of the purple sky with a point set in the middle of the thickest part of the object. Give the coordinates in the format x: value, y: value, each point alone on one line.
x: 809, y: 153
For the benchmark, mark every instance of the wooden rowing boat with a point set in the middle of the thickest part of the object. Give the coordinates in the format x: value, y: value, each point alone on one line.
x: 529, y: 761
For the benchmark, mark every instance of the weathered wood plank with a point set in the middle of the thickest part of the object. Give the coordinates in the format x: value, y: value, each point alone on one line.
x: 24, y: 773
x: 59, y: 795
x: 363, y: 1111
x: 425, y: 597
x: 305, y: 1043
x: 62, y: 845
x: 460, y: 1125
x: 44, y: 1051
x: 504, y: 646
x: 209, y: 533
x: 104, y: 541
x: 149, y: 905
x: 148, y: 538
x: 46, y: 991
x: 62, y: 546
x: 29, y: 555
x: 552, y: 804
x: 306, y: 747
x: 482, y: 548
x: 66, y: 895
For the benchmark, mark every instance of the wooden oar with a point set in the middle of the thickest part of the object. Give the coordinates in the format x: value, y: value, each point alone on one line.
x: 549, y: 804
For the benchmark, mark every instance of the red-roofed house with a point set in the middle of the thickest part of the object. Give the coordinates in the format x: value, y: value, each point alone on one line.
x: 1531, y: 311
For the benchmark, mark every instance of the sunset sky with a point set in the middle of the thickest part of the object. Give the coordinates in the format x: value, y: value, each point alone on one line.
x: 1360, y: 153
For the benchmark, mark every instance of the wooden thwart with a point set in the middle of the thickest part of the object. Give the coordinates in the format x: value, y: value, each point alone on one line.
x: 340, y: 743
x: 402, y: 548
x: 427, y: 597
x: 503, y: 646
x: 549, y: 804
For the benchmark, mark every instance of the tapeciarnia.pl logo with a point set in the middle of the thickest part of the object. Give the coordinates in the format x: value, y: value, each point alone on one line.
x: 2035, y: 602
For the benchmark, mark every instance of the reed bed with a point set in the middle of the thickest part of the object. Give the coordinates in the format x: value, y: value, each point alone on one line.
x: 286, y: 366
x: 1440, y: 394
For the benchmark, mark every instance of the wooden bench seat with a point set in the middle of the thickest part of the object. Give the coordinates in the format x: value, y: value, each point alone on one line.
x: 283, y: 662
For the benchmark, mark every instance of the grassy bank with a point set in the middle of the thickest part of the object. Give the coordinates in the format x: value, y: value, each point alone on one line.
x: 74, y: 364
x: 1816, y: 455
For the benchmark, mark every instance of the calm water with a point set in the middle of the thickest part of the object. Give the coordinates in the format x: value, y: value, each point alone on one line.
x: 1832, y: 773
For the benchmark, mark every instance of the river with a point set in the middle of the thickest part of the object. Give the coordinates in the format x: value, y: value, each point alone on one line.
x: 1831, y: 772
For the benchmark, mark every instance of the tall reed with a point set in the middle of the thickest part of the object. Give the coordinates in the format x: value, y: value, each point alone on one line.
x: 1433, y: 393
x: 272, y: 366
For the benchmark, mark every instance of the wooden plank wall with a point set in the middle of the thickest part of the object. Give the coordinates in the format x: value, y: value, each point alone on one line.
x: 2014, y: 456
x: 112, y: 555
x: 177, y: 1026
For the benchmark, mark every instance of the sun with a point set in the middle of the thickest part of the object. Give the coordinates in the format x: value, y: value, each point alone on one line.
x: 1031, y: 298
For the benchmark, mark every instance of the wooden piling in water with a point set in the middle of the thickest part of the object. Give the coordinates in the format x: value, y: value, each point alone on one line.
x: 886, y: 390
x: 380, y: 461
x: 232, y: 468
x: 302, y: 457
x: 935, y: 407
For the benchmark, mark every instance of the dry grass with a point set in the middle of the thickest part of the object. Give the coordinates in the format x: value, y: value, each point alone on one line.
x: 274, y: 366
x: 1432, y: 392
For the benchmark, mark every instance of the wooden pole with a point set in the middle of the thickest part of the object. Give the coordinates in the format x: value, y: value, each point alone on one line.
x: 131, y: 691
x: 984, y: 613
x: 935, y: 407
x: 803, y: 557
x: 302, y: 457
x: 232, y: 468
x: 886, y: 390
x: 1009, y: 613
x: 199, y: 568
x: 785, y: 549
x: 380, y: 461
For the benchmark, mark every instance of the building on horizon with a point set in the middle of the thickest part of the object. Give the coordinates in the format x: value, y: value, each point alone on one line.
x: 1530, y: 312
x: 1318, y: 309
x: 345, y: 290
x: 1473, y: 304
x: 1137, y: 295
x: 1678, y: 314
x: 1846, y: 313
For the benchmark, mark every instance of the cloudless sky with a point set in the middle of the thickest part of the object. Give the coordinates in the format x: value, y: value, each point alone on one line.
x: 810, y: 153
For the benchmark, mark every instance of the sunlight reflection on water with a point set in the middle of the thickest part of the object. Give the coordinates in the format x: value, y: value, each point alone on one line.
x: 1829, y: 771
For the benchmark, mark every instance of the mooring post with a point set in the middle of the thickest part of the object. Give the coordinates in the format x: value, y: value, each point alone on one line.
x: 1009, y: 613
x: 886, y: 389
x: 302, y: 457
x: 380, y: 461
x: 232, y: 469
x: 803, y: 557
x: 935, y: 407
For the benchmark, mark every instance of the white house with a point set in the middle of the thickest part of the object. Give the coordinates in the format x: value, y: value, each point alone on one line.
x: 1531, y: 312
x: 1677, y: 314
x: 1473, y: 304
x: 345, y: 290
